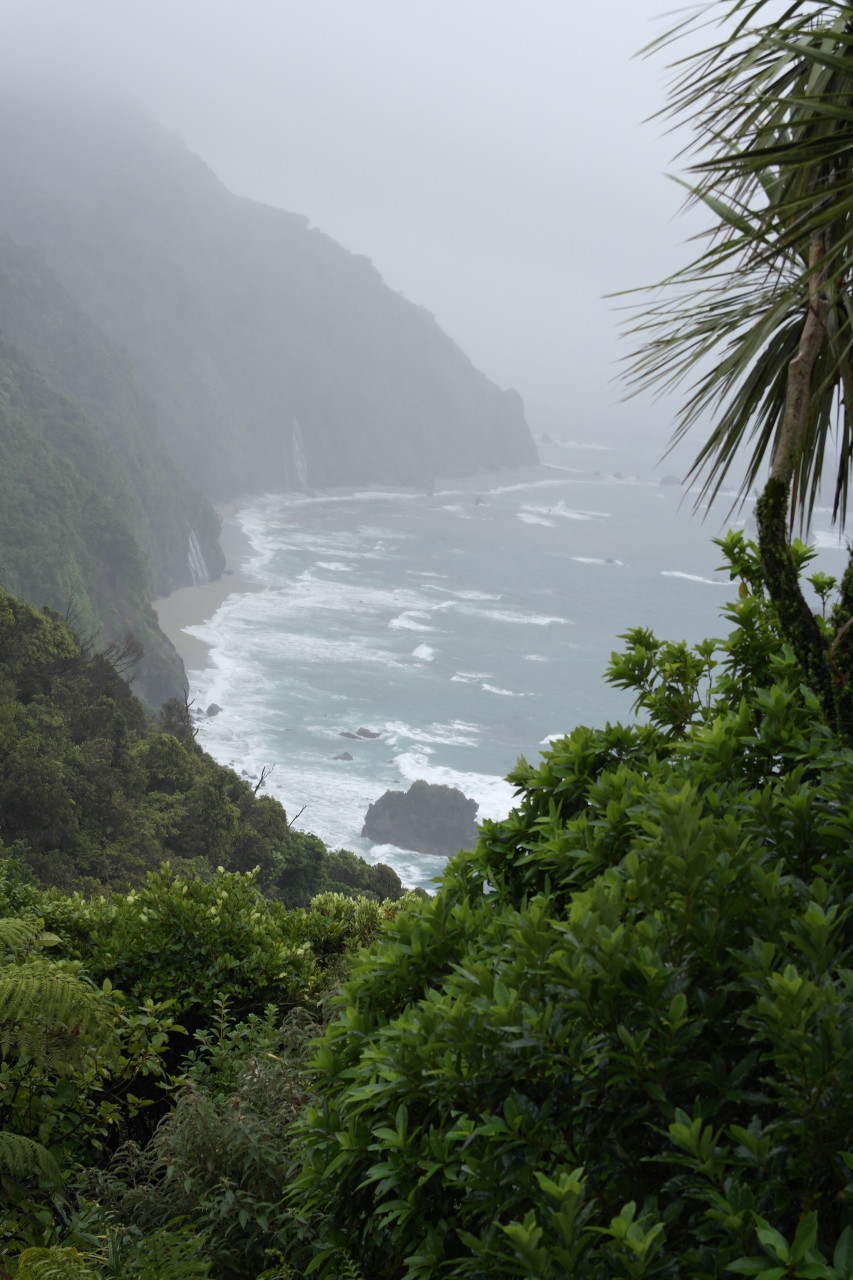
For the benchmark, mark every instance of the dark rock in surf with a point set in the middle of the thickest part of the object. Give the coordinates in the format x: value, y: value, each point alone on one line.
x: 426, y: 818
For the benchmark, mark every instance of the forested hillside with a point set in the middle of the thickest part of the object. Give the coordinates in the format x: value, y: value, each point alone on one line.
x: 78, y: 359
x: 94, y: 795
x: 276, y: 358
x: 67, y: 537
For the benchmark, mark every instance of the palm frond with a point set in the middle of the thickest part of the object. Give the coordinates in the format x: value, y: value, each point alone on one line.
x: 772, y: 160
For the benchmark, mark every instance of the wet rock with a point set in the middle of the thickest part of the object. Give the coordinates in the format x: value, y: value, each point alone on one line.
x: 366, y: 733
x: 345, y: 755
x: 214, y: 709
x: 427, y: 818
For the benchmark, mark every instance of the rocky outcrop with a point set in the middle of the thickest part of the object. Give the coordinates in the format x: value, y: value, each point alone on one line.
x: 427, y: 819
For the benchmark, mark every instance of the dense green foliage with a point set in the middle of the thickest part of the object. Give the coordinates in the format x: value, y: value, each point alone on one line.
x: 151, y: 1051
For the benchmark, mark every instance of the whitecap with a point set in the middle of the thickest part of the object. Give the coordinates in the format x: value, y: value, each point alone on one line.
x: 335, y: 566
x: 409, y: 621
x: 458, y: 733
x: 525, y: 619
x: 471, y: 677
x: 594, y: 560
x: 693, y: 577
x: 472, y: 595
x: 535, y: 657
x: 561, y: 511
x: 424, y: 652
x: 527, y: 518
x: 505, y: 693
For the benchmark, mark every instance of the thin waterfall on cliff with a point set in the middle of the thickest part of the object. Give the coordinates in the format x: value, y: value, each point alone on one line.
x: 297, y: 454
x: 195, y: 561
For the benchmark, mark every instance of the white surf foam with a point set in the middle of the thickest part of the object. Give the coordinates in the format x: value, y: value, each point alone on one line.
x: 527, y: 517
x: 424, y: 653
x: 693, y: 577
x: 411, y: 620
x: 505, y: 693
x: 494, y: 795
x: 456, y: 733
x: 594, y: 560
x: 520, y: 619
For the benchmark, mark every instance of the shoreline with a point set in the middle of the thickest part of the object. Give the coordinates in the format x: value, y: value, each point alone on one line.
x: 194, y: 605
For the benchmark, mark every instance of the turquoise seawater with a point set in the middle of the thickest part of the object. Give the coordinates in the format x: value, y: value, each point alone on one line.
x: 463, y: 629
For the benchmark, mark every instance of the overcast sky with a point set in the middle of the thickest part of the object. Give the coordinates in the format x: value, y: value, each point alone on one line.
x: 492, y: 157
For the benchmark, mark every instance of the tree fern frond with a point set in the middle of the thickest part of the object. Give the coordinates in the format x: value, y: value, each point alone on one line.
x: 54, y: 1264
x: 18, y: 933
x: 52, y: 1016
x: 25, y: 1158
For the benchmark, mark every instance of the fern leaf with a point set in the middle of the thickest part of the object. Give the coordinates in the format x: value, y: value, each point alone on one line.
x: 54, y: 1264
x: 24, y: 1158
x: 52, y: 1016
x: 17, y: 933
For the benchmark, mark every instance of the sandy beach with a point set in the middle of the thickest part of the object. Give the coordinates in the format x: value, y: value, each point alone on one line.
x: 191, y: 606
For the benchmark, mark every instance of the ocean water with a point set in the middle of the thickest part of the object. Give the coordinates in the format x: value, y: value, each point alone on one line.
x: 463, y: 629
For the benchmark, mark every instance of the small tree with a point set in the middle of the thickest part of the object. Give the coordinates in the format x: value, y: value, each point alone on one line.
x: 762, y: 320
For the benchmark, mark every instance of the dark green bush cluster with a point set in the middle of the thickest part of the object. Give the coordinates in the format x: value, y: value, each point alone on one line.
x: 152, y: 1049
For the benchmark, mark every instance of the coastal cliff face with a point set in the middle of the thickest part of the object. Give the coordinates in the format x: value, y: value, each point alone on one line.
x: 67, y: 536
x: 166, y: 344
x: 276, y: 359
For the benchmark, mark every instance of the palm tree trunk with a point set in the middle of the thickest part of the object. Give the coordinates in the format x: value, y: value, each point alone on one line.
x: 796, y: 620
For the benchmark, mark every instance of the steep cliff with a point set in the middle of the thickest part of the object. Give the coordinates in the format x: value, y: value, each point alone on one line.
x: 175, y: 526
x: 67, y: 536
x: 276, y: 358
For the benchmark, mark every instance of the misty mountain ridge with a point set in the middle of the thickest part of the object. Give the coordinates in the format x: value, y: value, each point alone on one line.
x: 167, y: 343
x: 276, y: 358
